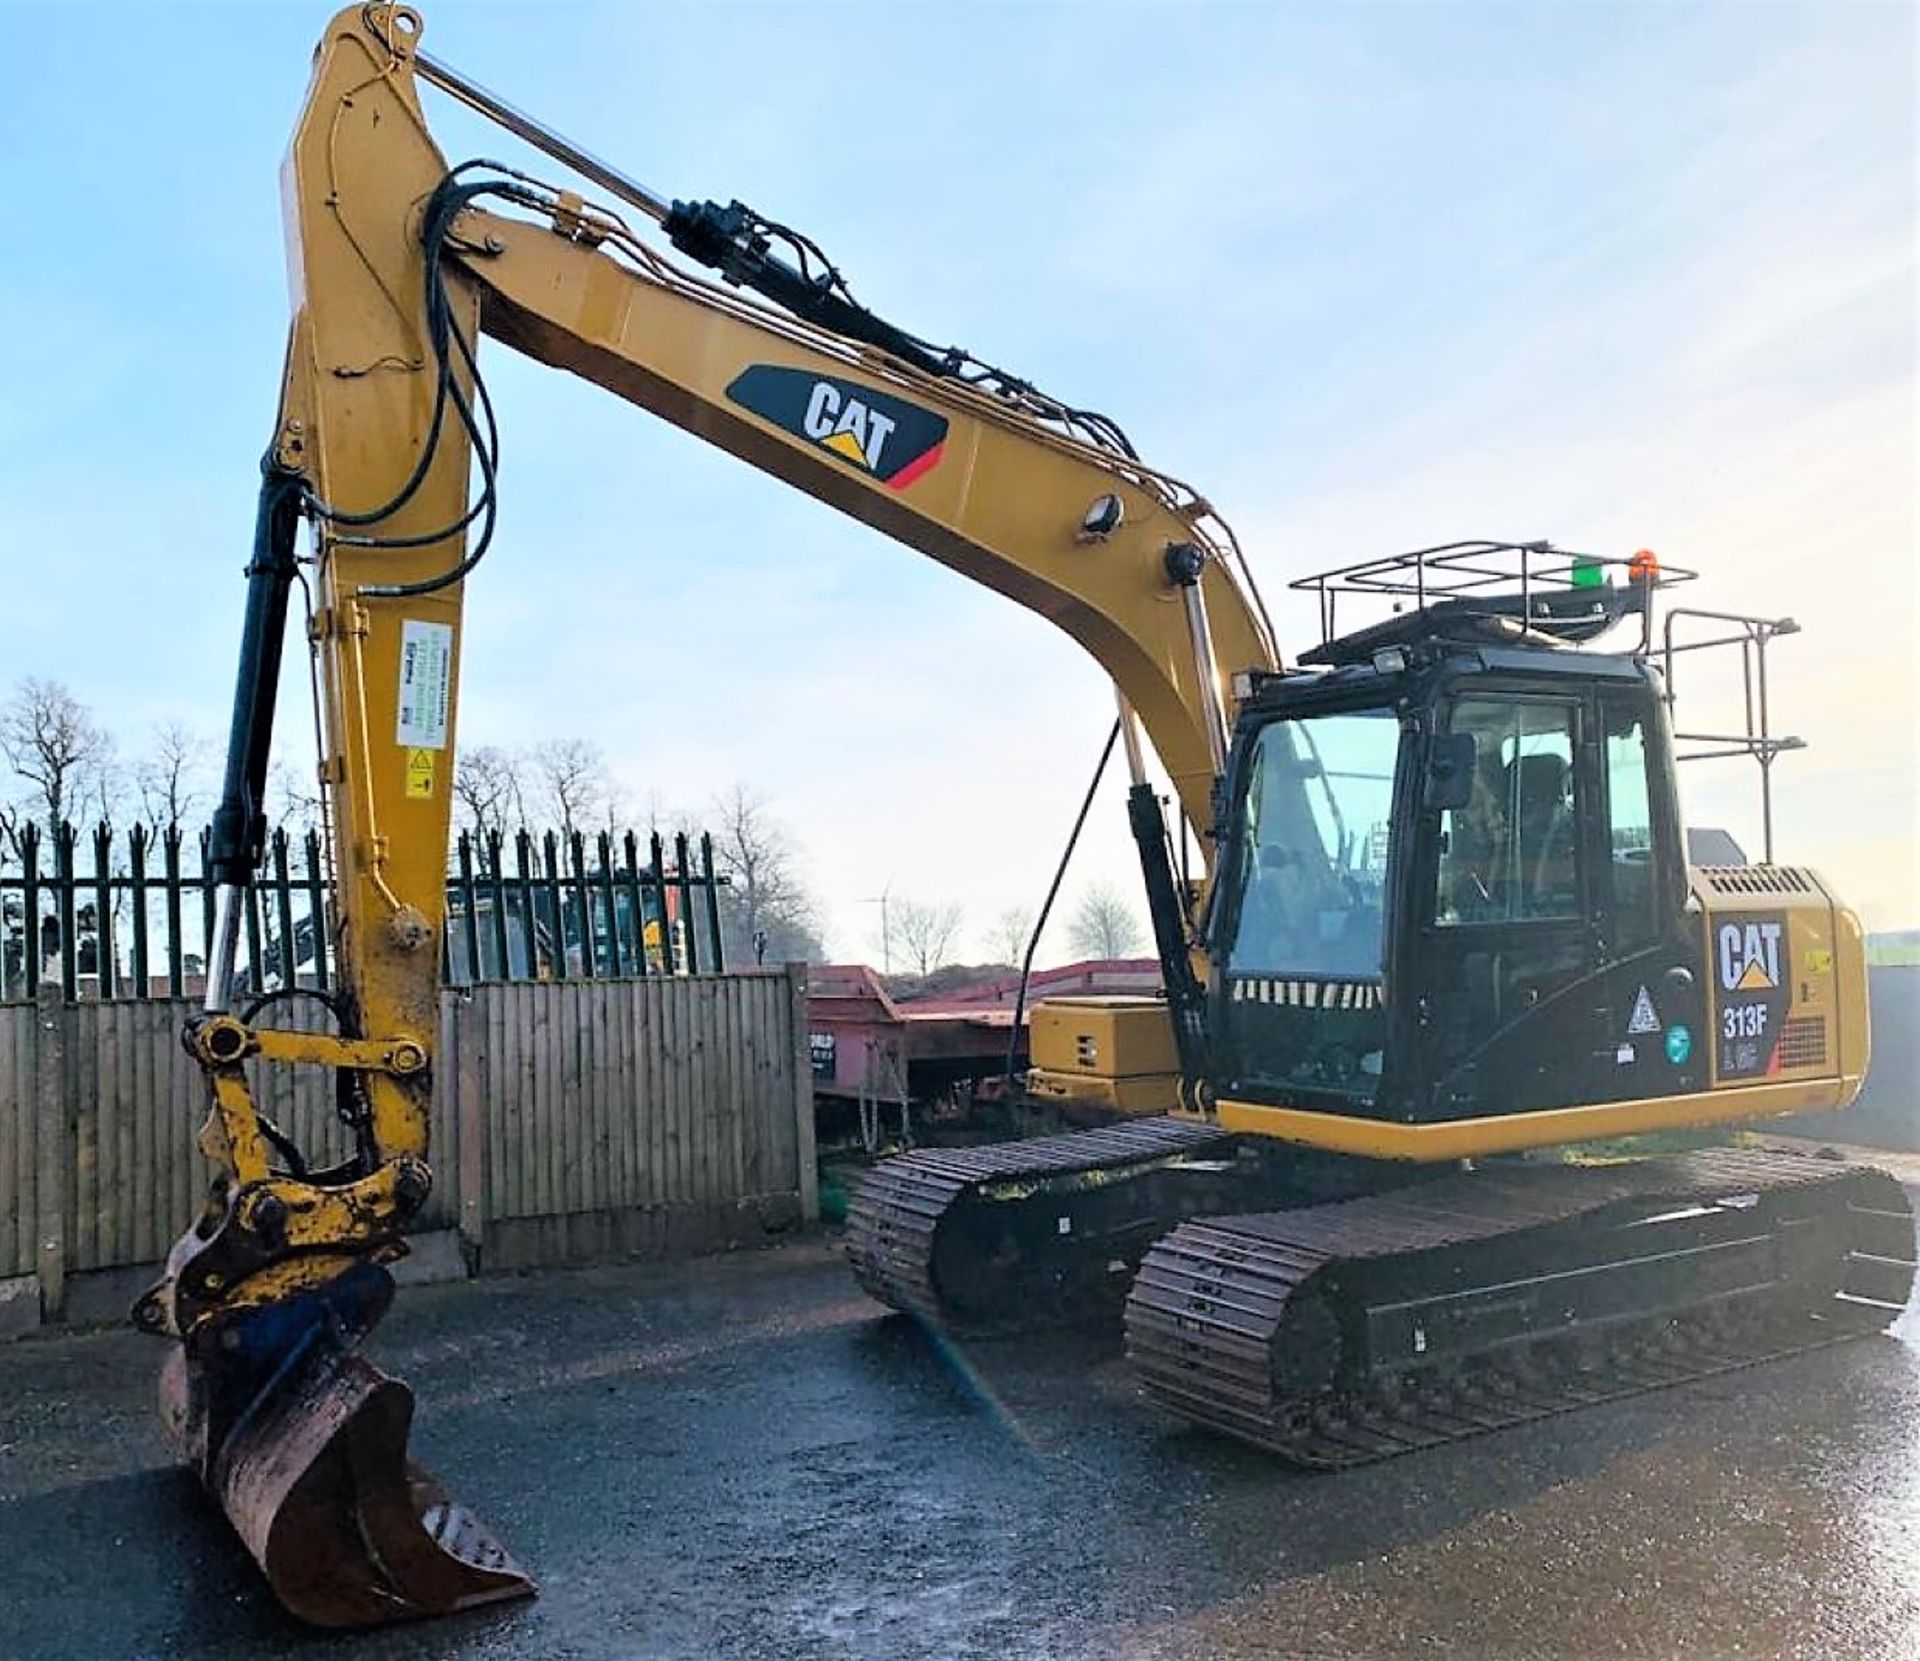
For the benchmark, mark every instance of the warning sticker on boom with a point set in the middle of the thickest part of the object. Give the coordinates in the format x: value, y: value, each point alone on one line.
x: 426, y: 684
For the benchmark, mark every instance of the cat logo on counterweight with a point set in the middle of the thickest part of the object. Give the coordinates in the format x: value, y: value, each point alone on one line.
x: 894, y: 441
x: 1750, y: 956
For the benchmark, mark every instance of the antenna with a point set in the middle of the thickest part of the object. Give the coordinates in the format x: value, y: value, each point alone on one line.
x: 886, y: 934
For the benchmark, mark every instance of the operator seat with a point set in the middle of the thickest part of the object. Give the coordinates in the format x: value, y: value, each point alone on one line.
x: 1539, y: 786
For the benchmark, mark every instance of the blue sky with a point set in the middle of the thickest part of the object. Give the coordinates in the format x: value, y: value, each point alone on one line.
x: 1370, y: 275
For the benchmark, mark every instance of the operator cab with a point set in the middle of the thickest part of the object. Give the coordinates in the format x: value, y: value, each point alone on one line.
x: 1452, y: 859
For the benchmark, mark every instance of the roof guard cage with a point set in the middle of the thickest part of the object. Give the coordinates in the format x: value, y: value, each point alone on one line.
x: 1531, y: 586
x: 1535, y: 590
x: 1716, y: 631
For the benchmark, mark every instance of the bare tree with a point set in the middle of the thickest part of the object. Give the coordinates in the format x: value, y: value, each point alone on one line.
x: 1104, y: 925
x: 658, y: 815
x: 97, y: 792
x: 616, y: 807
x: 1010, y: 935
x: 923, y: 935
x: 53, y: 744
x: 169, y: 777
x: 765, y: 906
x: 489, y: 793
x: 293, y: 799
x: 572, y: 776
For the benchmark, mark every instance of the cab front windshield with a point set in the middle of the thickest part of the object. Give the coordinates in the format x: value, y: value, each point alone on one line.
x: 1315, y: 832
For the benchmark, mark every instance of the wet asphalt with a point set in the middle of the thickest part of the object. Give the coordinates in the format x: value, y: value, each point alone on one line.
x: 744, y: 1457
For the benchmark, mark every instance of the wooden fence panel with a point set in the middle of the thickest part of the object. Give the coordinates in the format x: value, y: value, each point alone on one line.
x: 128, y: 1135
x: 650, y: 1162
x: 17, y: 1193
x: 601, y: 1110
x: 616, y: 1095
x: 444, y: 1143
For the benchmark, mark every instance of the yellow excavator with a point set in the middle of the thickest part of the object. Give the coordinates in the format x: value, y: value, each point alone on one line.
x: 1439, y: 910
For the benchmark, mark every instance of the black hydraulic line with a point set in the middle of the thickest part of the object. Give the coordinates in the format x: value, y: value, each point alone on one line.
x: 350, y: 1091
x: 1186, y: 997
x: 238, y: 839
x: 487, y: 457
x: 442, y: 208
x: 1053, y: 892
x: 449, y: 198
x: 731, y: 240
x: 737, y: 242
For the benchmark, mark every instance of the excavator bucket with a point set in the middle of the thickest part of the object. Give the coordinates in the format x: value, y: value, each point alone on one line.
x: 303, y: 1442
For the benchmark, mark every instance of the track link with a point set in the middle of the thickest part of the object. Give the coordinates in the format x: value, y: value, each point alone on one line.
x: 1305, y: 1332
x: 905, y: 1210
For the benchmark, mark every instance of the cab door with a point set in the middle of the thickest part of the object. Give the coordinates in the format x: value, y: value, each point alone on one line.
x: 1648, y: 944
x: 1510, y: 1012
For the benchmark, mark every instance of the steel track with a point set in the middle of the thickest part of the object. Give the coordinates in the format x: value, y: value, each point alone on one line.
x: 895, y: 1218
x: 1251, y: 1325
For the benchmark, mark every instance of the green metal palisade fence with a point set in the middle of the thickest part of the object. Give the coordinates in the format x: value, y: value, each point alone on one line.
x: 111, y: 915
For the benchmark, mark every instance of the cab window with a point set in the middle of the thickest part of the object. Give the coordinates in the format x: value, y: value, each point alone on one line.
x: 1511, y: 854
x: 1315, y: 838
x: 1630, y: 826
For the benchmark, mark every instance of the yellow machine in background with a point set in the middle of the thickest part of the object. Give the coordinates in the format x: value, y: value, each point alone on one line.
x: 1097, y: 1056
x: 1442, y: 908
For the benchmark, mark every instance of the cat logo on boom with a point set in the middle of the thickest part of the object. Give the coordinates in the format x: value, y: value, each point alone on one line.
x: 886, y: 437
x: 846, y: 425
x: 1749, y: 956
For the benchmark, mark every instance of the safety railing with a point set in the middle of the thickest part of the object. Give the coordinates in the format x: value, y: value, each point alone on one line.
x: 1534, y: 588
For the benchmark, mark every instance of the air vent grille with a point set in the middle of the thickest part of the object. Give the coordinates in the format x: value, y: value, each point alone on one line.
x: 1758, y: 879
x: 1803, y: 1042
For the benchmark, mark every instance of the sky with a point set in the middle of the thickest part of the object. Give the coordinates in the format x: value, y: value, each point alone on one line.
x: 1371, y: 276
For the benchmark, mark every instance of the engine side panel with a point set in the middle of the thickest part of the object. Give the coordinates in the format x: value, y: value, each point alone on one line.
x: 1786, y: 978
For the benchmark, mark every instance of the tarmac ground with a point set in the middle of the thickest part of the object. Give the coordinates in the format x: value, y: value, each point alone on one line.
x: 744, y: 1457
